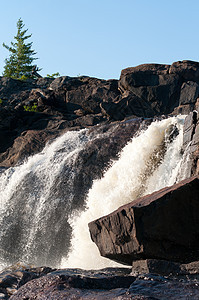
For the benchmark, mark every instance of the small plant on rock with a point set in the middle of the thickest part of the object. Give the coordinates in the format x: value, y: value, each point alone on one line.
x: 54, y: 75
x: 32, y: 108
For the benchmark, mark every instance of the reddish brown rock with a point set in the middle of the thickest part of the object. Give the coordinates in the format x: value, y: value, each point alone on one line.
x: 191, y: 143
x: 77, y: 102
x: 163, y: 225
x: 164, y: 267
x: 186, y: 69
x: 152, y: 84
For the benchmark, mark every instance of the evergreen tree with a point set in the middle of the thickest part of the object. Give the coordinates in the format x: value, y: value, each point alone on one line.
x: 19, y: 63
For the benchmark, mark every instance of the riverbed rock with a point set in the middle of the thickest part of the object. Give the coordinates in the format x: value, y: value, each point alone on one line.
x: 109, y: 283
x: 164, y: 267
x: 163, y: 225
x: 12, y: 278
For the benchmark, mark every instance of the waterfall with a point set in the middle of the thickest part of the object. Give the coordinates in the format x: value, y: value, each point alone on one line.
x: 37, y: 201
x: 34, y: 209
x: 147, y: 163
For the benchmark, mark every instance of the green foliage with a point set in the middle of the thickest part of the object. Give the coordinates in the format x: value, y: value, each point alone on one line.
x: 32, y: 108
x: 23, y: 78
x: 19, y: 63
x: 54, y: 75
x: 1, y: 101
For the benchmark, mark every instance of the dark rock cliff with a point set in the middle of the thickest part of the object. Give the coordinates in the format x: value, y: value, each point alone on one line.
x: 67, y: 103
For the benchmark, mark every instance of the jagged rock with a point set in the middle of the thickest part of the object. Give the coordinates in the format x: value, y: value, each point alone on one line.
x: 153, y: 84
x: 11, y: 279
x: 65, y: 284
x: 163, y: 225
x: 188, y: 70
x: 167, y: 89
x: 191, y: 143
x: 114, y: 283
x: 77, y: 102
x: 189, y: 93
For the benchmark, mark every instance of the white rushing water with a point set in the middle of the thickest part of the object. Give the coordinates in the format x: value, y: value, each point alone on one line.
x: 36, y: 197
x: 147, y: 163
x: 32, y: 212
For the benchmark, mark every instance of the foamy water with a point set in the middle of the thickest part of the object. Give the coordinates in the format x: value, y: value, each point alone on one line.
x: 147, y: 163
x: 34, y: 205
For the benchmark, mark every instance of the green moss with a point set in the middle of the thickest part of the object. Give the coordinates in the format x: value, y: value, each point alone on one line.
x: 32, y: 108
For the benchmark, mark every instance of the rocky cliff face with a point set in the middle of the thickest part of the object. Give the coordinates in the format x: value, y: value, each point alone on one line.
x: 67, y: 103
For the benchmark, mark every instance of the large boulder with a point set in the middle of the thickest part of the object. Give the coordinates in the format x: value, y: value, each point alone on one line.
x: 163, y: 225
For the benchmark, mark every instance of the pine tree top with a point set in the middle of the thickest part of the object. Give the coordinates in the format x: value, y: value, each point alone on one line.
x: 19, y: 63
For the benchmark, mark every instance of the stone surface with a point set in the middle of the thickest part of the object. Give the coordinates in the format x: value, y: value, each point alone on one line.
x: 163, y: 225
x: 164, y: 267
x: 11, y: 279
x: 191, y: 143
x: 67, y: 103
x: 186, y: 69
x: 110, y: 283
x: 153, y: 85
x: 189, y: 93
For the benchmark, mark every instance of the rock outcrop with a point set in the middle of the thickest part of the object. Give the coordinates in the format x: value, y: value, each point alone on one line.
x: 67, y: 103
x: 163, y: 89
x: 163, y: 225
x: 191, y: 143
x: 114, y: 283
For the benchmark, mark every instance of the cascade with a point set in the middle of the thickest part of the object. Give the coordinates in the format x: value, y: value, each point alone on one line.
x: 35, y: 210
x: 147, y: 163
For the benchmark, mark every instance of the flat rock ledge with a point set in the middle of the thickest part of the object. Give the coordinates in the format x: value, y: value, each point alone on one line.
x: 162, y: 226
x: 110, y: 283
x: 164, y: 268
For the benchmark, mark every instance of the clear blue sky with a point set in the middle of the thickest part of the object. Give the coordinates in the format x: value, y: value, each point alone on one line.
x: 101, y: 37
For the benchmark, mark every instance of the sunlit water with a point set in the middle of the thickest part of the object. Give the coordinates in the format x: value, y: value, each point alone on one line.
x: 147, y: 163
x: 34, y: 211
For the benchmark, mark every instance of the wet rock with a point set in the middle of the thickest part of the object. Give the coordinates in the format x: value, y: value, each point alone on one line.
x: 11, y: 279
x: 164, y: 267
x: 191, y: 143
x: 163, y: 225
x: 108, y: 284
